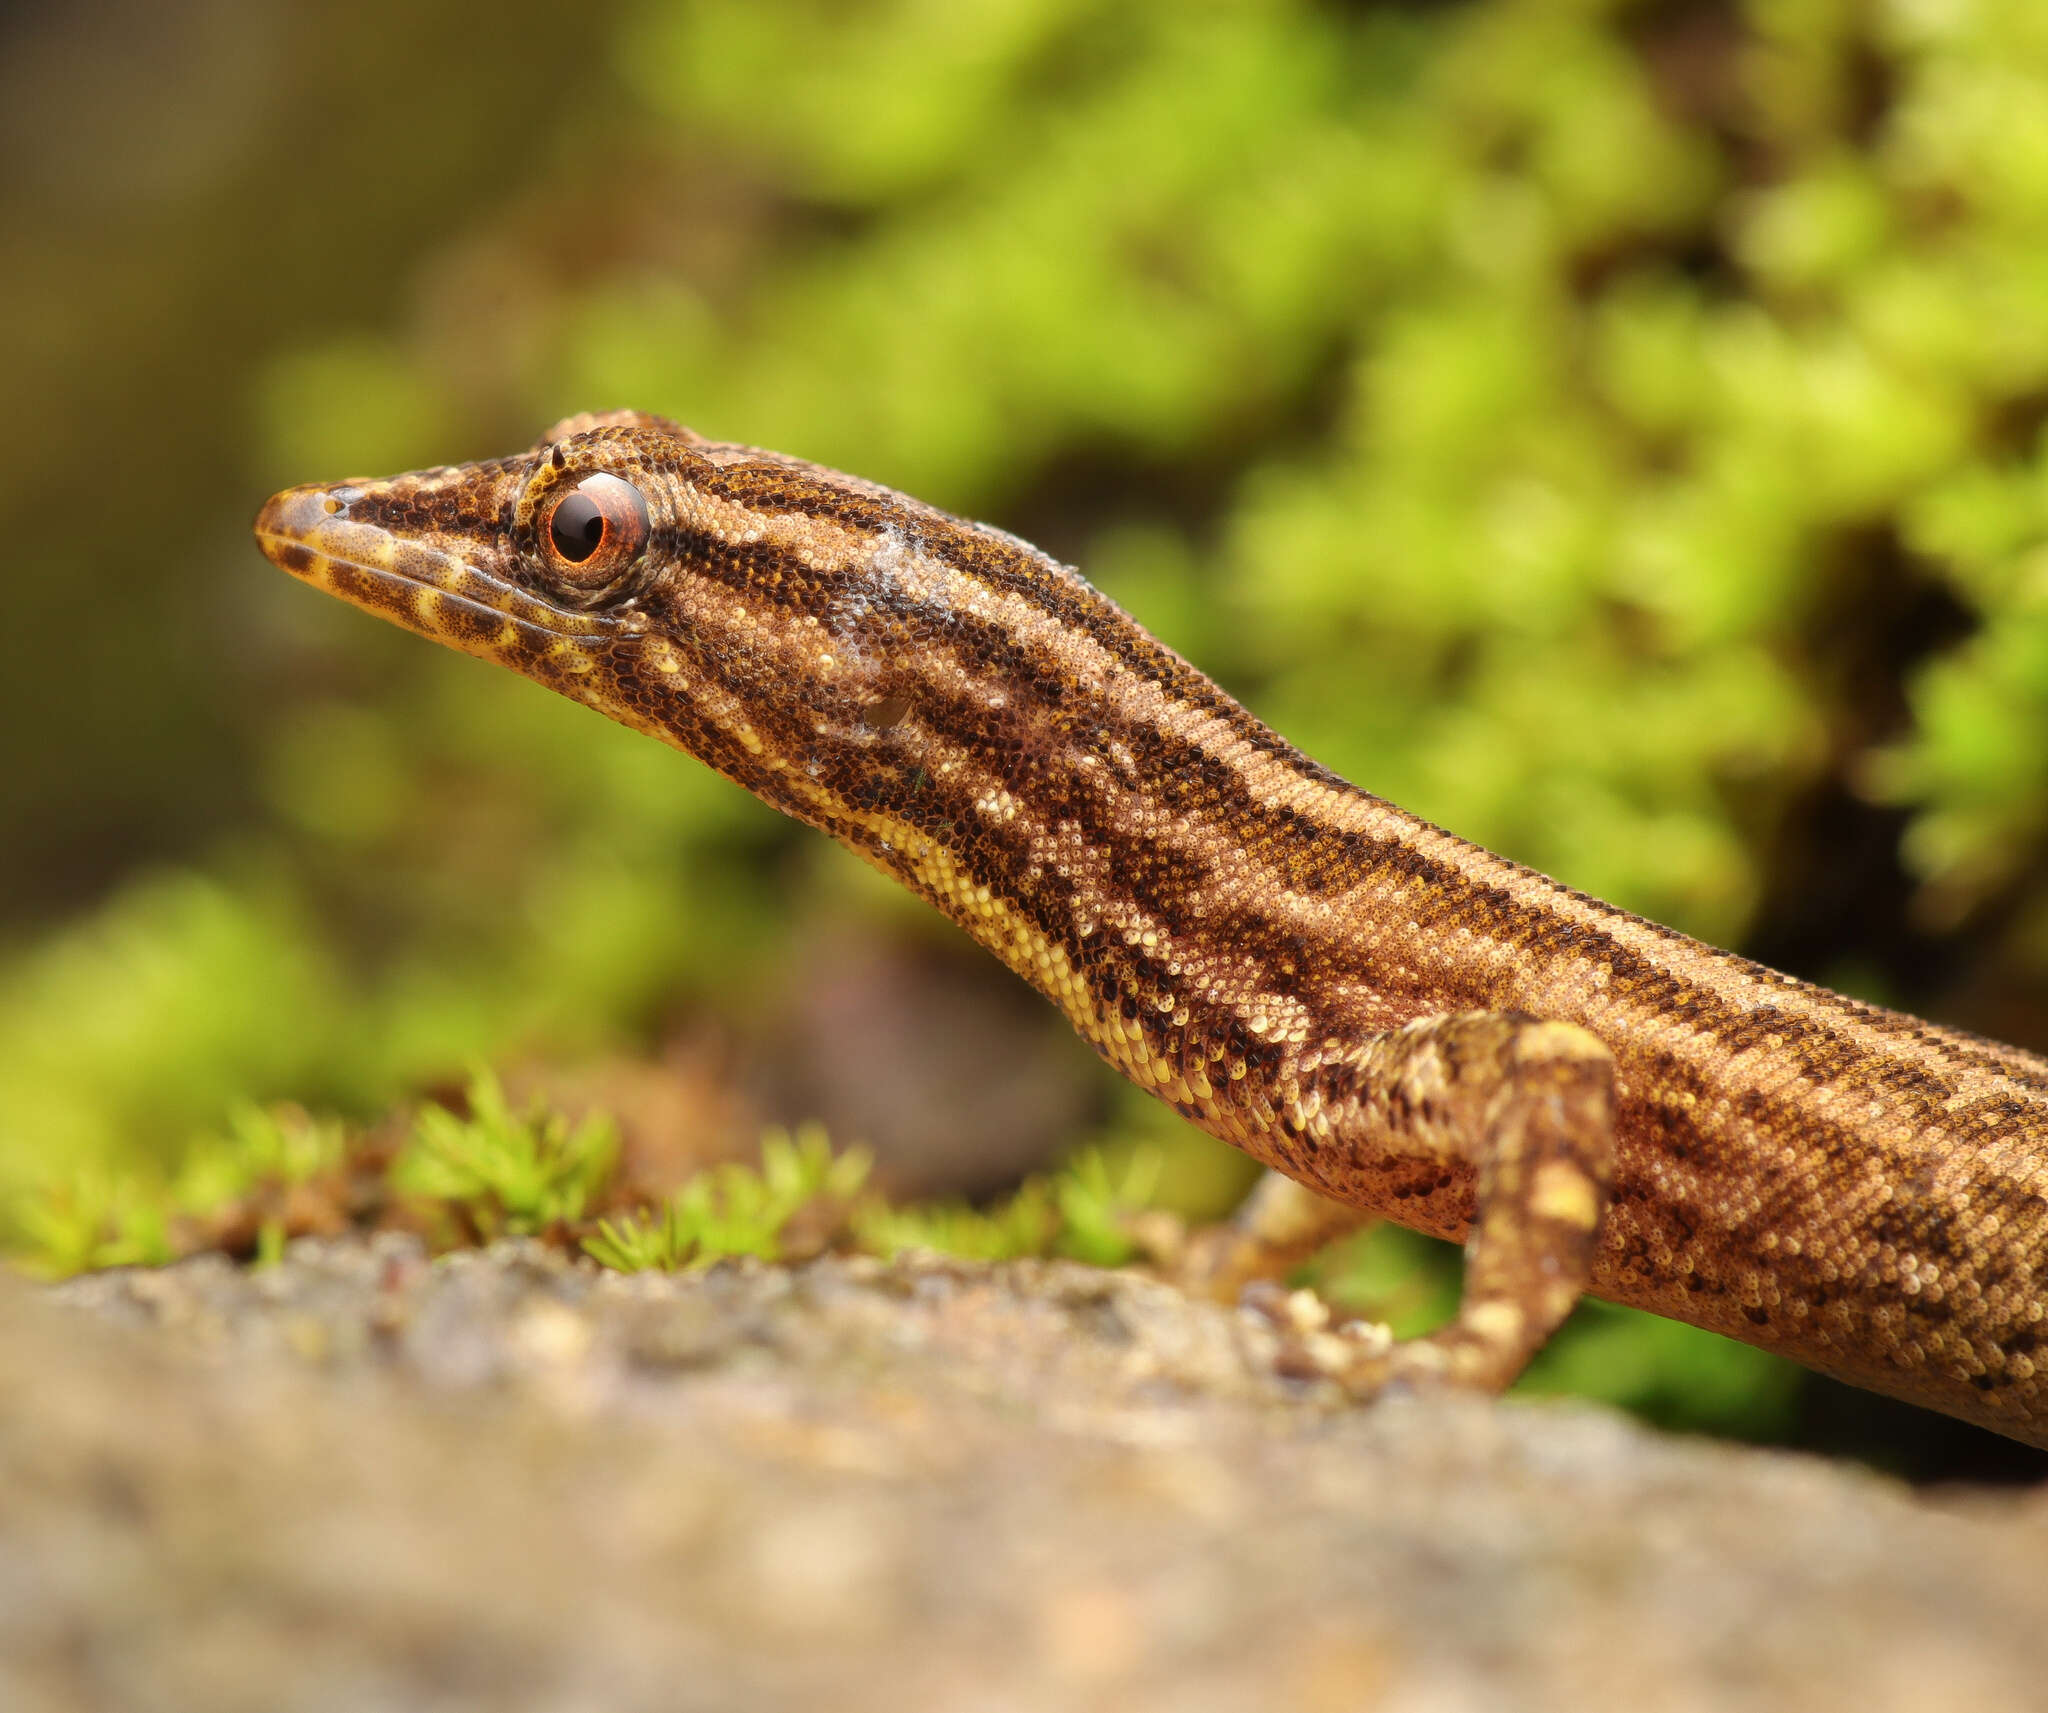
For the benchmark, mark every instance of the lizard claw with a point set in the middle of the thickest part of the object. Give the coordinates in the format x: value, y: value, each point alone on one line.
x: 1358, y: 1356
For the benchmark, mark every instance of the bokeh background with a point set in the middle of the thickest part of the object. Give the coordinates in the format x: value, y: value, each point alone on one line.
x: 1611, y: 428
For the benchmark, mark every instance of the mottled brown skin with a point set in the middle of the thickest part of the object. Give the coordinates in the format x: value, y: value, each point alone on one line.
x: 1393, y: 1017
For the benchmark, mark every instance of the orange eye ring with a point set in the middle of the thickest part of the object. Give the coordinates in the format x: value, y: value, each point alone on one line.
x: 593, y: 532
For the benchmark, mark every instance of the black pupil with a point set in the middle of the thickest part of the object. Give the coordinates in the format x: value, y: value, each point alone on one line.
x: 577, y: 528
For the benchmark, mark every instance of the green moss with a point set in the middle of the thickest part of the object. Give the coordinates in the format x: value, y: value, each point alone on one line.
x: 1098, y: 1200
x: 732, y: 1209
x: 101, y: 1216
x: 506, y: 1173
x: 280, y: 1145
x: 1023, y: 1224
x: 89, y: 1219
x: 1084, y: 1211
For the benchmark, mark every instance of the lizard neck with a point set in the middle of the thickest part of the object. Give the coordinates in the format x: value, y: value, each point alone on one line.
x: 978, y: 721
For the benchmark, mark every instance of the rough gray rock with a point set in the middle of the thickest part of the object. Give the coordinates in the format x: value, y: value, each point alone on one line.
x: 359, y: 1481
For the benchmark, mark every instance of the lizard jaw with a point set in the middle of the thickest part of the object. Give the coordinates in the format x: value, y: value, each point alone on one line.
x: 316, y: 534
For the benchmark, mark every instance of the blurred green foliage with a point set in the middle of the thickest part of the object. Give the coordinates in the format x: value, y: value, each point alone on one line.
x: 512, y: 1173
x: 1615, y: 429
x: 102, y: 1215
x: 734, y: 1209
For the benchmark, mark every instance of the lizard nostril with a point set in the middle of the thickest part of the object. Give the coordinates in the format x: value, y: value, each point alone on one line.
x: 298, y: 514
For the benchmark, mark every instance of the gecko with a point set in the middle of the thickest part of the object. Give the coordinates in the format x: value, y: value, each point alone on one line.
x: 1398, y: 1023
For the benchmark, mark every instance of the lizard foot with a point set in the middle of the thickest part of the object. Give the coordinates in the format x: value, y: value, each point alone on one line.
x: 1364, y: 1359
x: 1358, y: 1356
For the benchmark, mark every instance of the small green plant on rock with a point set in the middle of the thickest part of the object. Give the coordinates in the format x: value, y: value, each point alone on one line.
x: 735, y: 1210
x: 262, y: 1145
x: 88, y: 1219
x: 508, y: 1174
x: 1025, y: 1224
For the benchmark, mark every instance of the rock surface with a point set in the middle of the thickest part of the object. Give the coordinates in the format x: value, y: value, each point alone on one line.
x: 358, y: 1481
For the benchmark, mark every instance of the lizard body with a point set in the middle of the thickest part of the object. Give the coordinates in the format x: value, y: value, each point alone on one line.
x: 1396, y: 1018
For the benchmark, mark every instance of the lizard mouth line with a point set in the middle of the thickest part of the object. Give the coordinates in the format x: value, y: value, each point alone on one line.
x: 299, y: 535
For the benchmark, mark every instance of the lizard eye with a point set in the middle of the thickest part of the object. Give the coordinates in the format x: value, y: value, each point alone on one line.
x: 594, y: 531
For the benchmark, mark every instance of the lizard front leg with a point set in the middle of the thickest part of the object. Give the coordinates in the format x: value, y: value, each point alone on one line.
x: 1529, y: 1105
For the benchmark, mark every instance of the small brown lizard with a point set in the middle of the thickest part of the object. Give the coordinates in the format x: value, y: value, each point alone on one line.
x: 1401, y: 1021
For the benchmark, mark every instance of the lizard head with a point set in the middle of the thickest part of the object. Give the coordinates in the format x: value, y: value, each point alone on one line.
x: 825, y: 641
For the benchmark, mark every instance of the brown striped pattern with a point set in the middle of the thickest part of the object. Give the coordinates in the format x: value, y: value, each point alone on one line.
x: 1228, y: 922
